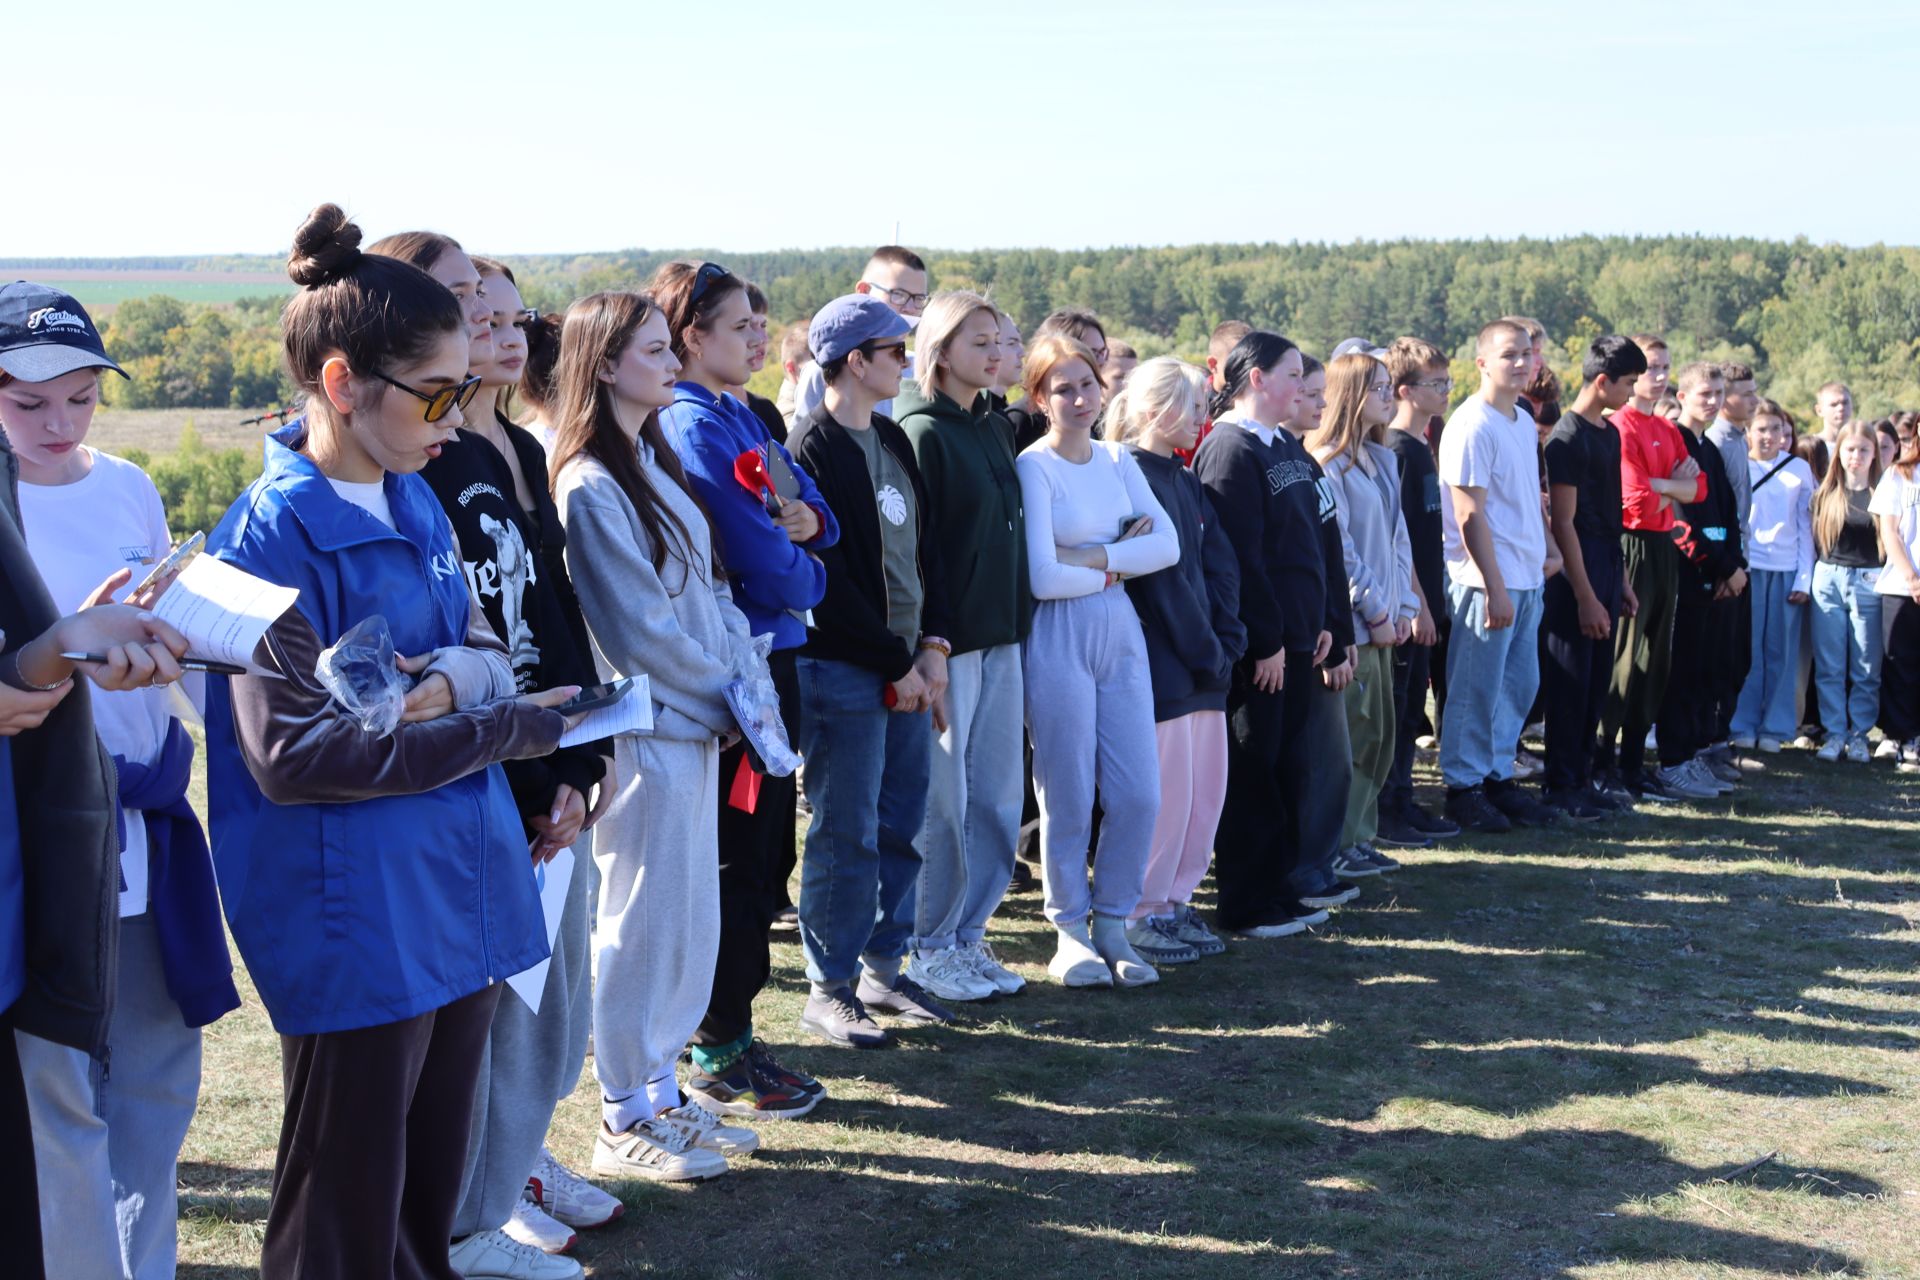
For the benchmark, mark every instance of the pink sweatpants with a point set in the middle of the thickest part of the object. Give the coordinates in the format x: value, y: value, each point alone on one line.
x: 1193, y: 788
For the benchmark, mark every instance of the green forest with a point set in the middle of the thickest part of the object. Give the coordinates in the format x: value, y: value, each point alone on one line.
x: 1800, y: 313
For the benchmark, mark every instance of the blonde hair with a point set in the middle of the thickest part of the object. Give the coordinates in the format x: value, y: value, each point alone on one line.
x: 939, y: 325
x: 1048, y: 353
x: 1830, y: 499
x: 1344, y: 426
x: 1158, y: 393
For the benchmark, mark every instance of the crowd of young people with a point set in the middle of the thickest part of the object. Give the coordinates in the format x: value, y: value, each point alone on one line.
x: 1215, y: 597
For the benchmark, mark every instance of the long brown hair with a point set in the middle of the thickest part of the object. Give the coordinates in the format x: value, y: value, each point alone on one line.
x: 1343, y: 427
x: 674, y: 289
x: 596, y: 331
x: 1830, y: 499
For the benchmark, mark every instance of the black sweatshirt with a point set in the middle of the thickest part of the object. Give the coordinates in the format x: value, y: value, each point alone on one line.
x: 515, y: 565
x: 1189, y: 613
x: 850, y: 622
x: 1339, y: 616
x: 1708, y: 531
x: 1268, y: 502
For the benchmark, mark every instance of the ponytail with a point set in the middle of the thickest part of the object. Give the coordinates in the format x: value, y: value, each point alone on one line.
x: 1258, y: 350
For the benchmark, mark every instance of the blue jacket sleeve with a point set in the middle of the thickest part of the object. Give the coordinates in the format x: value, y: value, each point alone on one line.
x: 765, y: 566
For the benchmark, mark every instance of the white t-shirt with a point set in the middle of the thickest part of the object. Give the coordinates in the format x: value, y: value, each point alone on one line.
x: 1781, y: 516
x: 1483, y: 449
x: 370, y: 498
x: 1898, y: 496
x: 80, y: 534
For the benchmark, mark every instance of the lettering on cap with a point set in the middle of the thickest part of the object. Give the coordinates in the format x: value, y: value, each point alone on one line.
x: 55, y: 318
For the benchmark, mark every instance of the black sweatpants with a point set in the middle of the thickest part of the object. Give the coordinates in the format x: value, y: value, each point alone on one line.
x: 754, y: 849
x: 1578, y: 669
x: 1701, y: 630
x: 1411, y: 664
x: 1900, y: 668
x: 373, y: 1146
x: 1288, y: 773
x: 20, y: 1206
x: 1738, y: 662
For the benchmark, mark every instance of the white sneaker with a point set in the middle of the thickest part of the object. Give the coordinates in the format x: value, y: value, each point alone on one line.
x: 987, y: 965
x: 948, y: 974
x: 1830, y: 749
x: 1770, y: 746
x: 1857, y: 750
x: 654, y: 1151
x: 1680, y: 781
x: 1887, y: 750
x: 565, y: 1195
x: 531, y: 1226
x: 1075, y: 962
x: 1130, y: 969
x: 493, y: 1255
x: 703, y: 1129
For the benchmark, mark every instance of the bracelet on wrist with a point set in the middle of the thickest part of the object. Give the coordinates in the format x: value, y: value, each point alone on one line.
x: 935, y: 642
x: 10, y: 673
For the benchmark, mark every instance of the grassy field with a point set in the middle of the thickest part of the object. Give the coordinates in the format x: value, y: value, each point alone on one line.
x: 1531, y: 1056
x: 104, y: 290
x: 158, y: 430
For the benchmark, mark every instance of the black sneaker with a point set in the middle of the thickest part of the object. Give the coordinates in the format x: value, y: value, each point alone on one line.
x: 785, y: 920
x: 1609, y: 793
x: 1374, y: 858
x: 839, y: 1018
x: 1352, y: 864
x: 1396, y: 831
x: 906, y: 1000
x: 1329, y: 893
x: 1510, y: 798
x: 1577, y: 803
x: 1642, y: 785
x: 1469, y: 807
x: 1428, y: 824
x: 1024, y: 881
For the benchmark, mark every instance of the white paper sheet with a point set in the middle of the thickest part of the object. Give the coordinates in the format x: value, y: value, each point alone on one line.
x: 631, y: 715
x: 223, y: 611
x: 553, y: 879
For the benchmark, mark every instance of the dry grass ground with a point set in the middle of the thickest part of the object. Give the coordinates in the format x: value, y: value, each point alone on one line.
x: 1540, y: 1055
x: 157, y: 431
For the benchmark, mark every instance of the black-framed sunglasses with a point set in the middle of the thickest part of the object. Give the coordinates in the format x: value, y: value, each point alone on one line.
x: 704, y: 279
x: 898, y: 350
x: 439, y: 402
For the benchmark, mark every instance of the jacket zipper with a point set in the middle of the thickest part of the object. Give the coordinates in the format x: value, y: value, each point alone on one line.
x: 486, y: 941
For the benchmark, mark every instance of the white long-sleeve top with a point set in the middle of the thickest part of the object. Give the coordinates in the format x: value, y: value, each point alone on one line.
x: 1373, y: 538
x: 1782, y: 513
x: 1087, y: 504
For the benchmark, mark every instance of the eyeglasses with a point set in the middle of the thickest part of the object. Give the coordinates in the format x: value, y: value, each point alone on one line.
x: 439, y: 402
x: 898, y: 297
x: 705, y: 278
x: 1380, y: 389
x: 1437, y: 384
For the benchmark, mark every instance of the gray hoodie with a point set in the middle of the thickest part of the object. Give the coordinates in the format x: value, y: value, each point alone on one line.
x: 1373, y: 538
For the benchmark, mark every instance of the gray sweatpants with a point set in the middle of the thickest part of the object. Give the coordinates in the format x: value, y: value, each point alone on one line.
x: 658, y: 850
x: 530, y: 1063
x: 1090, y: 715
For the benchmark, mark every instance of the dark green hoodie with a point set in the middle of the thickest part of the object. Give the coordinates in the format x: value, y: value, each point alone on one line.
x: 966, y: 460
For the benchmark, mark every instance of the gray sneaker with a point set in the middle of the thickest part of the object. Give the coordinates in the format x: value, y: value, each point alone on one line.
x: 1190, y: 929
x: 839, y: 1018
x: 1706, y: 777
x: 1157, y: 946
x: 1679, y: 780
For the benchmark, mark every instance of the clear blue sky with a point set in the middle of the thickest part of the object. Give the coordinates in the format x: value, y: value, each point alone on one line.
x: 557, y: 126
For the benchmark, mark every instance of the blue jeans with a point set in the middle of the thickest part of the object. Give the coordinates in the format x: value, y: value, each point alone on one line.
x: 974, y: 793
x: 1846, y: 648
x: 107, y: 1145
x: 1492, y: 677
x: 1765, y: 709
x: 866, y: 778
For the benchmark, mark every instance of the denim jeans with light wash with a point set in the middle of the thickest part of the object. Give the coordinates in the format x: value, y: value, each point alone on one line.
x: 974, y: 794
x: 1492, y: 677
x: 107, y: 1145
x: 866, y: 778
x: 1765, y: 709
x: 1846, y: 648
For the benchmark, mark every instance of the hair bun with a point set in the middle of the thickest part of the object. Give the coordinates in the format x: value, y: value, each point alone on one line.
x: 325, y: 248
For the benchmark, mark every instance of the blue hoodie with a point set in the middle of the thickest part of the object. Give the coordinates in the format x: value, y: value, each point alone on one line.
x: 367, y: 879
x: 773, y: 579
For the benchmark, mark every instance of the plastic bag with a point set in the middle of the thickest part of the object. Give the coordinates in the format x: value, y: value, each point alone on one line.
x: 361, y: 673
x: 756, y: 708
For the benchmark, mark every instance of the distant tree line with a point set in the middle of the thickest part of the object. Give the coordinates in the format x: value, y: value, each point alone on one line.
x: 1800, y: 313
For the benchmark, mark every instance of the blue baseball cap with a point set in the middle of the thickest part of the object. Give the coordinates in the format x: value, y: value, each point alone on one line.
x: 845, y: 323
x: 45, y: 334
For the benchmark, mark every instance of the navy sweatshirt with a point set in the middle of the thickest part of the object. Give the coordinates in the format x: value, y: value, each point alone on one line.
x: 1267, y: 501
x: 1191, y: 612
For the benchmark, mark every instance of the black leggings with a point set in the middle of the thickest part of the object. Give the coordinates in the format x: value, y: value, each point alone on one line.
x: 20, y: 1206
x: 1900, y: 668
x: 756, y: 852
